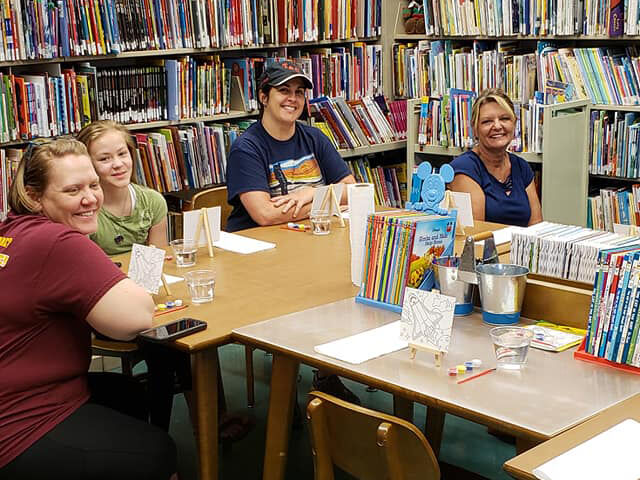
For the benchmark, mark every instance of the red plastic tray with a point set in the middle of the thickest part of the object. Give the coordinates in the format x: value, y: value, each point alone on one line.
x: 580, y: 354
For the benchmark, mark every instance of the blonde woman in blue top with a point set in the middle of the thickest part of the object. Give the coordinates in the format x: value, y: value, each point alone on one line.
x: 500, y: 183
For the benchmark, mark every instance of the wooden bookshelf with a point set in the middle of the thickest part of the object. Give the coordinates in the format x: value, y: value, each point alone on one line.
x: 381, y: 147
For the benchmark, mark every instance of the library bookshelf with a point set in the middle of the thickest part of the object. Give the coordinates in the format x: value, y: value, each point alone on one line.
x: 19, y: 57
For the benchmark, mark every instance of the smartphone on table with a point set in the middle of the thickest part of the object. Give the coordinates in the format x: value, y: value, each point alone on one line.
x: 173, y: 330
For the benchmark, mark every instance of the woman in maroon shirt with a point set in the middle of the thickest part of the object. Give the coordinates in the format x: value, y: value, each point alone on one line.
x: 56, y: 286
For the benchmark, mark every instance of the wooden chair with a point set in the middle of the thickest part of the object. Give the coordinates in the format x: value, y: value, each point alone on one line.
x: 214, y: 197
x: 366, y: 444
x: 127, y: 352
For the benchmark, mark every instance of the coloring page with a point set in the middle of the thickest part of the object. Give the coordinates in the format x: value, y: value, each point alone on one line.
x: 145, y: 267
x: 427, y: 319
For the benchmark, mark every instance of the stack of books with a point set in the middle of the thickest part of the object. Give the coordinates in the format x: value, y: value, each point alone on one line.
x: 613, y: 325
x: 400, y: 248
x: 359, y: 123
x: 613, y: 143
x: 389, y: 181
x: 9, y: 160
x: 614, y: 206
x: 187, y: 157
x: 564, y: 251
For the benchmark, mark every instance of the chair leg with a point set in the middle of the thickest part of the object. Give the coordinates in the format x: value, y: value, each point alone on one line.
x: 248, y: 355
x: 127, y: 367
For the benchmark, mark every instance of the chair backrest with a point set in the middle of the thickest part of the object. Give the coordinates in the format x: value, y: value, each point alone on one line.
x: 213, y: 197
x: 366, y: 444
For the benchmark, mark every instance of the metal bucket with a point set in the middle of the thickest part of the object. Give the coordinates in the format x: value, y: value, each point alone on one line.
x: 446, y: 278
x: 502, y: 289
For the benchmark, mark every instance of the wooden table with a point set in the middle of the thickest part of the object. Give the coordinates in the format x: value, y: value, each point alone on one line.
x: 303, y: 271
x: 522, y: 466
x: 551, y: 394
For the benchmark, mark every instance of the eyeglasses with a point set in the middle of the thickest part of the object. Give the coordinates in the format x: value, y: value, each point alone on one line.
x: 28, y: 152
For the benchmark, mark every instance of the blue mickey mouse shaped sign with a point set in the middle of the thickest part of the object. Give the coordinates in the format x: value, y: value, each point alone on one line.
x: 433, y: 188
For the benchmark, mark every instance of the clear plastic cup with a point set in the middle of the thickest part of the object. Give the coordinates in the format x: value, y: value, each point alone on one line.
x: 511, y: 345
x: 185, y: 252
x: 320, y: 222
x: 200, y: 284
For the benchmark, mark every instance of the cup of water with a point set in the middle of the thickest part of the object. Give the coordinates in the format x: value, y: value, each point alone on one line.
x: 200, y: 284
x: 184, y: 251
x: 320, y: 222
x: 511, y: 345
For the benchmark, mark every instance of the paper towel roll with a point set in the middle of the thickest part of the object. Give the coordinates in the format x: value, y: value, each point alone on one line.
x: 361, y: 204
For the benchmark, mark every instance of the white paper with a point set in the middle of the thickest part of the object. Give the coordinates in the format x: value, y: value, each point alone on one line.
x: 463, y: 205
x: 169, y: 279
x: 190, y: 221
x: 626, y: 230
x: 366, y: 345
x: 361, y: 205
x: 613, y: 454
x: 427, y: 319
x: 321, y: 192
x: 502, y: 236
x: 145, y: 266
x: 239, y: 244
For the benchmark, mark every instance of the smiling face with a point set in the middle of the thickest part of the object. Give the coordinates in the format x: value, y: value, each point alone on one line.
x: 111, y: 159
x: 496, y: 127
x: 284, y: 103
x: 73, y: 195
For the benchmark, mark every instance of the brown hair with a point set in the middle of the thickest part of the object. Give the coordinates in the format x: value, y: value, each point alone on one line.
x: 98, y: 128
x: 490, y: 95
x: 32, y: 176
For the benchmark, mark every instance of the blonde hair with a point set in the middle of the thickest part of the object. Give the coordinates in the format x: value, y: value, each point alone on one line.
x: 95, y: 130
x: 32, y: 176
x: 490, y: 95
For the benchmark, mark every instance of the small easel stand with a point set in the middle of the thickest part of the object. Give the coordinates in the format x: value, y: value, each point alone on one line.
x: 331, y: 201
x: 413, y: 348
x: 204, y: 219
x: 450, y: 204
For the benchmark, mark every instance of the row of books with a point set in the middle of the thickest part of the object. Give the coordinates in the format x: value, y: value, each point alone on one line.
x: 614, y: 137
x: 446, y: 122
x: 612, y: 207
x: 529, y: 17
x: 400, y: 247
x: 313, y: 20
x: 39, y: 30
x: 433, y: 67
x: 563, y: 251
x: 351, y: 72
x: 359, y: 123
x: 603, y: 75
x: 613, y: 324
x: 51, y: 101
x: 186, y: 157
x: 168, y: 159
x: 389, y: 181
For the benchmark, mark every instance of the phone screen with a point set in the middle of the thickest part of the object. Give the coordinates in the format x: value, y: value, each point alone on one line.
x: 166, y: 331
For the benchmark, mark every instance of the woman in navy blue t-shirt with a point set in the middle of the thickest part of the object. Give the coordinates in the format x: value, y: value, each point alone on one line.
x: 500, y: 183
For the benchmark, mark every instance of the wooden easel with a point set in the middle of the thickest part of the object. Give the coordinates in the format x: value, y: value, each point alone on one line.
x: 449, y: 204
x: 331, y: 199
x: 413, y: 348
x: 204, y: 219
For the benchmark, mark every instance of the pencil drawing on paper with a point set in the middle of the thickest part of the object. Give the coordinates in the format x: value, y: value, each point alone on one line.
x: 427, y: 318
x: 145, y: 267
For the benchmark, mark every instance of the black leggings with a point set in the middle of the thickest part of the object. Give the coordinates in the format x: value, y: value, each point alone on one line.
x: 97, y: 442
